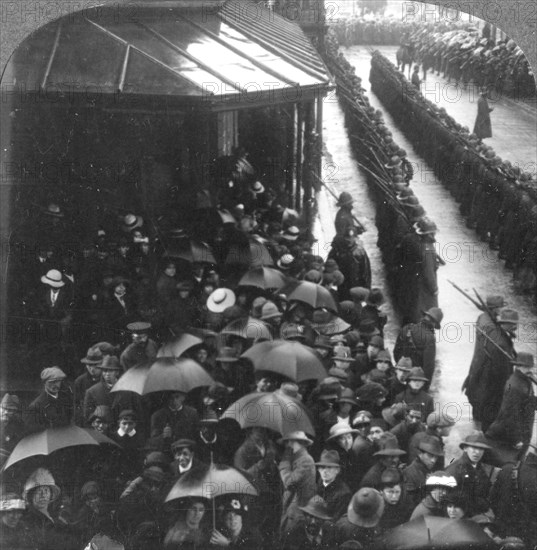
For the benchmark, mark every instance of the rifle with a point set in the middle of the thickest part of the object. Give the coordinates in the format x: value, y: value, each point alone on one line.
x: 466, y: 295
x: 359, y: 225
x: 485, y: 335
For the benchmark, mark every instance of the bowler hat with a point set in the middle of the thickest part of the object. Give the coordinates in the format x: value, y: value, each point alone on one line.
x: 285, y: 261
x: 291, y: 233
x: 347, y: 396
x: 54, y: 210
x: 329, y: 459
x: 131, y: 221
x: 365, y: 508
x: 317, y: 508
x: 476, y: 439
x: 111, y: 362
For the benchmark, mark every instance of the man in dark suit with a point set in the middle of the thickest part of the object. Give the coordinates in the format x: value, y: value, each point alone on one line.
x: 54, y: 405
x: 175, y: 421
x: 330, y: 486
x: 93, y: 362
x: 99, y: 393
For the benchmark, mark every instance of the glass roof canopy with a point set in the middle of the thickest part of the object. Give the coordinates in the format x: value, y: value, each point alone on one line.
x: 234, y: 52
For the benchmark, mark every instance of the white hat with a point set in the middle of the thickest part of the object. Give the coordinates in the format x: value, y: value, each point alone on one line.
x: 53, y: 278
x: 220, y: 299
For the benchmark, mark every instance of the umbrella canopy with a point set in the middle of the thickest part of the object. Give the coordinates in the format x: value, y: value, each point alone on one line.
x: 211, y: 482
x: 248, y: 327
x: 179, y: 345
x: 165, y: 374
x: 431, y: 532
x: 189, y: 250
x: 315, y: 295
x: 287, y: 358
x: 264, y: 277
x: 54, y: 439
x: 252, y: 253
x: 276, y: 411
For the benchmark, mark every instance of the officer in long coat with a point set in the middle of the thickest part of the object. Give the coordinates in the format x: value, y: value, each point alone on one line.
x: 491, y: 368
x: 482, y: 127
x: 514, y: 423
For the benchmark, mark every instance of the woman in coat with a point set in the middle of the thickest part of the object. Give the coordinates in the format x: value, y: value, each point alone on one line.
x: 482, y: 127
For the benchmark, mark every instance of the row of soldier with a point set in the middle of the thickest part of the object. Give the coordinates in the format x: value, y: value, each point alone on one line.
x: 498, y: 199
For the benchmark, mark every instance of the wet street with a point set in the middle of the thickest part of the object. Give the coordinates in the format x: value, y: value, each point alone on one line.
x: 469, y: 262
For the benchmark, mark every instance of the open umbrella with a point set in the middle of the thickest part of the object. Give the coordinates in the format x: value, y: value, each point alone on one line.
x: 252, y: 253
x: 286, y: 358
x: 276, y: 411
x: 179, y: 345
x: 315, y: 295
x: 211, y: 482
x: 165, y: 374
x: 55, y: 439
x: 248, y: 327
x: 432, y: 532
x: 189, y: 250
x: 264, y: 277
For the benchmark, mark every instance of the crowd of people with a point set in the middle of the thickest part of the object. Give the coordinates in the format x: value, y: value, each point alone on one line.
x: 497, y: 198
x: 199, y: 299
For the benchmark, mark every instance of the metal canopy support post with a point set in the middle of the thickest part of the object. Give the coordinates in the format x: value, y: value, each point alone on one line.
x: 299, y: 156
x: 307, y: 165
x: 291, y: 153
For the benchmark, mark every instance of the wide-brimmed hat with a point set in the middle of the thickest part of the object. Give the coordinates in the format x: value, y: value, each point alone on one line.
x: 523, y: 359
x: 41, y: 478
x: 221, y: 299
x: 329, y: 388
x: 395, y: 413
x: 345, y: 199
x: 435, y: 314
x: 53, y: 278
x: 365, y: 508
x: 440, y: 479
x: 416, y: 373
x: 475, y: 440
x: 11, y: 402
x: 431, y: 445
x: 317, y: 508
x: 405, y: 363
x: 329, y: 459
x: 388, y: 446
x: 359, y: 293
x: 131, y: 221
x: 343, y: 353
x: 370, y: 391
x: 508, y: 316
x: 341, y: 428
x: 368, y: 328
x: 10, y: 502
x: 227, y: 354
x: 298, y: 435
x: 94, y: 356
x: 391, y: 476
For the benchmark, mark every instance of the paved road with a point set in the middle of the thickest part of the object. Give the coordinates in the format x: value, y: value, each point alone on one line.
x: 469, y: 261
